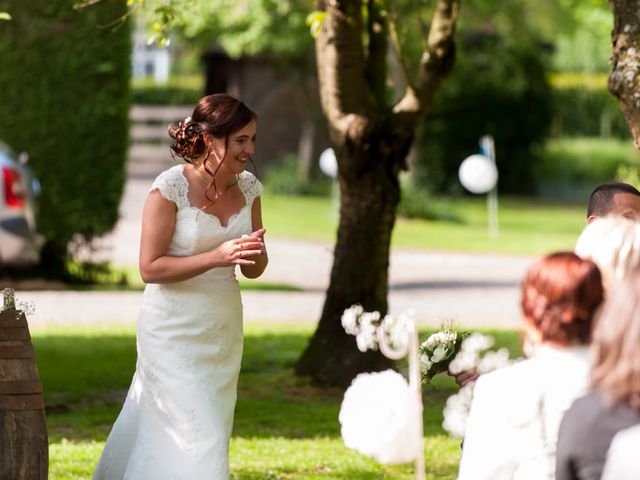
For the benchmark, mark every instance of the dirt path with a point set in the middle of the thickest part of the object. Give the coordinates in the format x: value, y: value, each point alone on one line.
x: 472, y: 290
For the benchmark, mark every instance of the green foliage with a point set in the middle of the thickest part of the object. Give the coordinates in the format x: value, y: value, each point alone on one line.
x: 583, y: 40
x: 629, y: 174
x: 420, y: 203
x: 65, y: 98
x: 578, y: 31
x: 284, y: 178
x: 314, y: 21
x: 572, y: 167
x: 165, y: 95
x: 97, y: 275
x: 476, y: 100
x: 584, y: 112
x: 271, y: 28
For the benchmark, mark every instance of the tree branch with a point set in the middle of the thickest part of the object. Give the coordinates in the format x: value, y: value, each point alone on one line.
x: 437, y: 59
x: 376, y: 65
x: 397, y: 46
x: 345, y: 95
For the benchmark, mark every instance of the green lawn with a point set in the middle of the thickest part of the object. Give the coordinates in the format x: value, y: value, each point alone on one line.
x: 285, y: 428
x: 527, y: 226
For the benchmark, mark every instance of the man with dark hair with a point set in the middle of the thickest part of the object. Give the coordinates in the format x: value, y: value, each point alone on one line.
x: 614, y: 198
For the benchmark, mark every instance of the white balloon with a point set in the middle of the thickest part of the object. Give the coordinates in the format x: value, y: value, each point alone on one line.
x: 478, y: 174
x: 329, y: 163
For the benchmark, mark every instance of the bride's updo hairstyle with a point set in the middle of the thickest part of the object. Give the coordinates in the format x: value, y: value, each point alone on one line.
x: 218, y: 115
x: 560, y: 295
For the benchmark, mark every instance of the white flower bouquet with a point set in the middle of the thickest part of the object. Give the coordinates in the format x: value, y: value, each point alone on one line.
x: 439, y: 350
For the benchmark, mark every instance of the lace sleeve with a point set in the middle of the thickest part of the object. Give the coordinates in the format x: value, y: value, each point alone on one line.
x: 172, y: 186
x: 250, y: 186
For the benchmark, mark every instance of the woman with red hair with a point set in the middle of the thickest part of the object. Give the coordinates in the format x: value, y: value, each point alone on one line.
x: 513, y: 423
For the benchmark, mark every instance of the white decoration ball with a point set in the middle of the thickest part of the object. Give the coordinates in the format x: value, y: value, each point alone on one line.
x: 478, y: 174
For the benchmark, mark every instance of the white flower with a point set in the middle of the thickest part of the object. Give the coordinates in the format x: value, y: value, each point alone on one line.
x: 425, y: 364
x: 468, y: 358
x: 366, y: 339
x: 463, y: 362
x: 379, y: 417
x: 477, y: 342
x: 493, y: 360
x: 438, y: 353
x: 446, y: 338
x: 396, y: 330
x: 456, y: 411
x: 350, y: 319
x: 369, y: 318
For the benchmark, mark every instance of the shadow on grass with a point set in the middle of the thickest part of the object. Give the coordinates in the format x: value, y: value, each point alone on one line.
x: 86, y: 376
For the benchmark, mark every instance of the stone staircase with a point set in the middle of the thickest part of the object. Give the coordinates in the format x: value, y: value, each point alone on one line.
x: 149, y: 152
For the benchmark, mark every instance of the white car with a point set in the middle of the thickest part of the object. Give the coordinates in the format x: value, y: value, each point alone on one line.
x: 20, y: 242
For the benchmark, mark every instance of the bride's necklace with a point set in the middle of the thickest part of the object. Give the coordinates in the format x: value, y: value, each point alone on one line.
x: 206, y: 181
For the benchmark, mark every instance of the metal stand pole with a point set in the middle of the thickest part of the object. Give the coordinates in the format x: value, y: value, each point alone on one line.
x: 487, y: 147
x: 415, y: 385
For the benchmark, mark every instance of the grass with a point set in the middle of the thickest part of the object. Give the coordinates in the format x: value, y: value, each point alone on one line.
x: 285, y: 428
x: 527, y: 226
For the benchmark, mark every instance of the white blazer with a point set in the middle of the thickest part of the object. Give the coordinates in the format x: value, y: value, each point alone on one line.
x: 515, y: 414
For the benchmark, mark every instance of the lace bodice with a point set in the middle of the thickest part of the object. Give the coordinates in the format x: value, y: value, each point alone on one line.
x: 197, y: 231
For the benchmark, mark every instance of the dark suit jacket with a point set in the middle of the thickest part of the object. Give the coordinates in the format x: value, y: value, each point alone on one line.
x: 585, y: 434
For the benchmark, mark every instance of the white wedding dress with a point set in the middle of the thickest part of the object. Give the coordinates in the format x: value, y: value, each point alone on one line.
x: 177, y: 418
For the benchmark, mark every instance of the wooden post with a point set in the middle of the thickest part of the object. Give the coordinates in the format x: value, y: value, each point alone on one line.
x: 24, y: 450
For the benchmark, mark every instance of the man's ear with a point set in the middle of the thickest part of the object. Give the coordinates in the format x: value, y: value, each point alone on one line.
x: 591, y: 218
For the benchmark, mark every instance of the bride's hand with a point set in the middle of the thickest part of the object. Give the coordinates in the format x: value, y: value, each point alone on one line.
x: 238, y: 251
x: 257, y: 236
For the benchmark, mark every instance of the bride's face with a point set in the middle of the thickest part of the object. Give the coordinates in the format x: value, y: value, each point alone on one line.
x: 240, y: 146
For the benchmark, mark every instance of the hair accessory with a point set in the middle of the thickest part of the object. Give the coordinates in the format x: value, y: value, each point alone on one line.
x: 187, y: 120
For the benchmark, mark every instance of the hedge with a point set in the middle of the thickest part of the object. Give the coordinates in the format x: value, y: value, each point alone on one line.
x: 65, y: 100
x: 586, y: 112
x: 165, y: 95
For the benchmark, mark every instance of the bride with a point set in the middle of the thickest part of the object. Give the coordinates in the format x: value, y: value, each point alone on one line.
x: 200, y: 220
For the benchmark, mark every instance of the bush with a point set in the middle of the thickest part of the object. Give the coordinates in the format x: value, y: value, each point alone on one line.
x: 283, y: 179
x: 496, y: 88
x: 572, y: 167
x: 165, y: 95
x: 583, y: 112
x: 65, y: 100
x: 419, y: 203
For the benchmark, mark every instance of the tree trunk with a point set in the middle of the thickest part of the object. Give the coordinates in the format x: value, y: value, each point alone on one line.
x: 360, y: 270
x: 624, y: 80
x: 372, y: 141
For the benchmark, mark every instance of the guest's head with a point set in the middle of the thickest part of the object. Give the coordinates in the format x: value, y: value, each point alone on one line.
x: 560, y: 294
x: 614, y: 198
x: 613, y: 243
x: 616, y: 337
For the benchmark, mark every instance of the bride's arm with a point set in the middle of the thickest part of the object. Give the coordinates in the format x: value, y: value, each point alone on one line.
x: 158, y: 226
x: 261, y: 260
